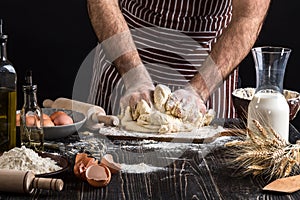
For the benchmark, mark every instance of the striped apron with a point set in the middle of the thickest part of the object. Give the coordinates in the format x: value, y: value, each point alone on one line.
x: 173, y: 38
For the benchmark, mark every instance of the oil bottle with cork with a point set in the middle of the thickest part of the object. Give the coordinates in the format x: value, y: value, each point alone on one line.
x: 8, y: 97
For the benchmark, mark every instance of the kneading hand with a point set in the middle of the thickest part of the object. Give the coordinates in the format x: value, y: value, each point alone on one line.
x: 186, y: 104
x: 135, y: 95
x: 138, y: 86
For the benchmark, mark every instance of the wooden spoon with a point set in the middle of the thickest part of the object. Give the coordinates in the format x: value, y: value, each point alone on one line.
x: 288, y: 184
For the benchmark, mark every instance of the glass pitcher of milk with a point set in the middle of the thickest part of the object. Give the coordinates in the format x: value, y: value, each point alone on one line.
x: 269, y: 106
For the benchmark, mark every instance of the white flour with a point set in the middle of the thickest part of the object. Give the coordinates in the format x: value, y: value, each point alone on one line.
x: 204, y: 132
x: 25, y: 159
x: 139, y: 168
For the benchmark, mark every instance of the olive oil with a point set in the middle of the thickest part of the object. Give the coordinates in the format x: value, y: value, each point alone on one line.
x: 31, y: 123
x: 7, y: 119
x: 8, y: 98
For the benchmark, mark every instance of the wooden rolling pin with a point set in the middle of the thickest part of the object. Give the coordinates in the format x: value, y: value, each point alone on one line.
x: 25, y: 182
x: 95, y: 114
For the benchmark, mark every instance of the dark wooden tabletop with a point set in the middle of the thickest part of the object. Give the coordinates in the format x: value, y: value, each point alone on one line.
x: 165, y: 170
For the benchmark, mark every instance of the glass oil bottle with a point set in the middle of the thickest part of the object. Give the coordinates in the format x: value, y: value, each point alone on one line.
x: 8, y: 97
x: 31, y: 123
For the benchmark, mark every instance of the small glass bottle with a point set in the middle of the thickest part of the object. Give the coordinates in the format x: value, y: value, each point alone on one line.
x: 269, y: 106
x: 31, y: 123
x: 8, y: 98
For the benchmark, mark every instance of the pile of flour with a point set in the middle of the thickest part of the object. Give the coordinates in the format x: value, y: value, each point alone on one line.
x: 26, y: 159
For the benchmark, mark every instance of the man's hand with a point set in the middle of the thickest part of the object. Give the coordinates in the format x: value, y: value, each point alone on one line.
x: 135, y: 95
x: 186, y: 104
x: 138, y: 86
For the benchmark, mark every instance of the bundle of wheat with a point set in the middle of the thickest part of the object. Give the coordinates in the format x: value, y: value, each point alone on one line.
x: 264, y: 152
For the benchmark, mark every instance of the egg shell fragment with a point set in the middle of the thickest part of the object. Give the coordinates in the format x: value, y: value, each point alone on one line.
x: 108, y: 161
x: 98, y: 175
x: 82, y: 162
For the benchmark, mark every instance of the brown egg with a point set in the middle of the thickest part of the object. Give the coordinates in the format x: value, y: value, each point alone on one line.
x: 45, y: 116
x: 31, y: 121
x: 98, y: 175
x: 56, y: 114
x: 48, y: 123
x: 63, y: 120
x: 18, y: 118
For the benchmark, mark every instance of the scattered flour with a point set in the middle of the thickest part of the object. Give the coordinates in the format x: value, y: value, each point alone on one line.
x: 26, y: 159
x: 139, y: 168
x: 205, y: 132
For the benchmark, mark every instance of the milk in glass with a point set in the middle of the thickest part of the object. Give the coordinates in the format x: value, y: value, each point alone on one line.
x: 269, y: 106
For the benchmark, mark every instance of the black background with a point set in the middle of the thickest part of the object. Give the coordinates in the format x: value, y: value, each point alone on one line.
x: 54, y: 38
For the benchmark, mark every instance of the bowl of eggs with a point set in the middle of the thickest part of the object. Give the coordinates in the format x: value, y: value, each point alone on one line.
x: 58, y: 123
x: 241, y: 98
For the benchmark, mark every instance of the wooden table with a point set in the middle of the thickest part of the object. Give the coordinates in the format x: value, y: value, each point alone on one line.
x: 182, y: 171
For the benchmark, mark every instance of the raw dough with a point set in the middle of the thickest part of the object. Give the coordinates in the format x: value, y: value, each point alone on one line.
x: 157, y: 119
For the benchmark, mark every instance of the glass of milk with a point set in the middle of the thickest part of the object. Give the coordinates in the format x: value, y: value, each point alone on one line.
x: 269, y: 106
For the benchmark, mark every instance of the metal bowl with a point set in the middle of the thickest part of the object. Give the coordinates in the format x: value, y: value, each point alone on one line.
x: 241, y: 98
x: 61, y: 131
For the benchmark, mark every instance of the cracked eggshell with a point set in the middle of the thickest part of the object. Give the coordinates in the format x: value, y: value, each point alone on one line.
x: 82, y: 162
x: 98, y: 175
x: 108, y: 161
x: 80, y: 156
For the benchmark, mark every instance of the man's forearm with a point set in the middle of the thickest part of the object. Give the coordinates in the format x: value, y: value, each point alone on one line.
x: 233, y: 45
x: 238, y: 39
x: 112, y: 31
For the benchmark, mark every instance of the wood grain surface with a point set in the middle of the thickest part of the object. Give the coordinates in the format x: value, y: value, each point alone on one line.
x: 182, y: 171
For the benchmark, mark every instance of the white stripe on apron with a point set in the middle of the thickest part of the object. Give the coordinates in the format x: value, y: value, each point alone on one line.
x: 170, y: 56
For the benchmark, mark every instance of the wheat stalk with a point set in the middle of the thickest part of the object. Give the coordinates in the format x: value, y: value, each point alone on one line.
x: 264, y: 152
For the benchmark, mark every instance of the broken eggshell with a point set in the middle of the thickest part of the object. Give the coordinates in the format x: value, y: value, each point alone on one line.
x: 98, y: 175
x: 108, y: 161
x: 82, y: 162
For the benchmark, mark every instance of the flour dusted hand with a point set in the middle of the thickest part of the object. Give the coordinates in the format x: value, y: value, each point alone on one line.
x: 159, y: 119
x: 139, y: 87
x: 186, y: 104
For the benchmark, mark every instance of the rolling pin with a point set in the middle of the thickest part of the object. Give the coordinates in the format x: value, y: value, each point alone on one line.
x: 25, y: 182
x: 95, y: 114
